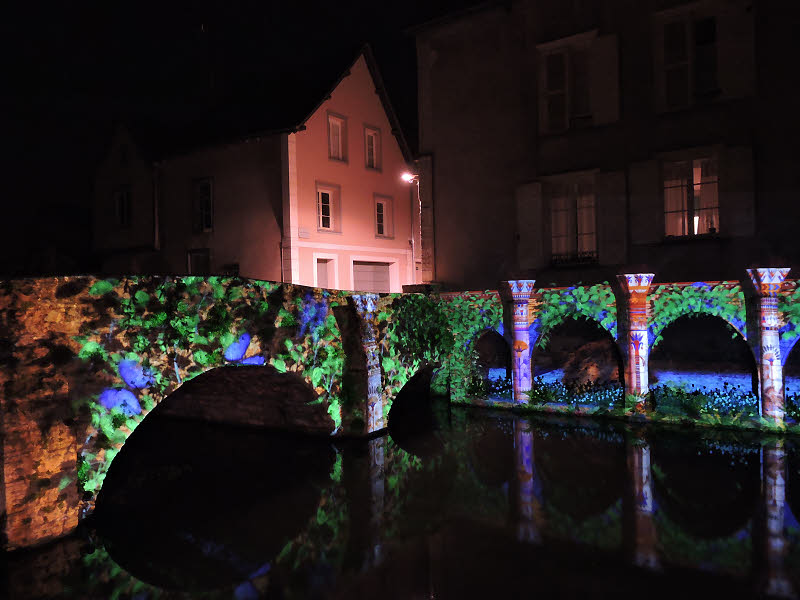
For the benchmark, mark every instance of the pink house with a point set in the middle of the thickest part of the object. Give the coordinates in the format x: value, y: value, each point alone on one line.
x: 314, y: 197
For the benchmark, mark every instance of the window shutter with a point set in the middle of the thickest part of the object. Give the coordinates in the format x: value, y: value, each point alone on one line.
x: 612, y: 222
x: 604, y: 80
x: 736, y: 192
x: 646, y: 203
x: 530, y: 253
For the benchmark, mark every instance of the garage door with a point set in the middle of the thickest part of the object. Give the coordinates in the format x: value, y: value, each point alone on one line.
x: 371, y: 277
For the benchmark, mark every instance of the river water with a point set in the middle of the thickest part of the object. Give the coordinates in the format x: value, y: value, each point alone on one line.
x: 489, y: 505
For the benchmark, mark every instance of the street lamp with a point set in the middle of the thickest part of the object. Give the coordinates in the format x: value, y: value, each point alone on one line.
x: 409, y: 177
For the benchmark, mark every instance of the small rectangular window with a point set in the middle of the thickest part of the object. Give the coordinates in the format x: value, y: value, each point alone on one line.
x: 122, y: 207
x: 337, y: 138
x: 383, y: 217
x: 372, y: 148
x: 691, y: 197
x: 328, y: 209
x: 203, y: 205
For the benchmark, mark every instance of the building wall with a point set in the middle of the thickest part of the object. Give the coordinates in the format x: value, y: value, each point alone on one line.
x: 623, y: 145
x: 354, y: 236
x: 122, y: 245
x: 246, y: 182
x: 477, y: 127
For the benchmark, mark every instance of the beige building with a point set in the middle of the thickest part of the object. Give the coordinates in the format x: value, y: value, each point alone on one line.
x: 316, y: 198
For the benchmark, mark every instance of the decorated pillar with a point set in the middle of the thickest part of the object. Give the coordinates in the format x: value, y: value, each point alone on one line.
x: 642, y: 527
x: 520, y: 290
x: 365, y: 306
x: 771, y: 547
x: 768, y: 283
x: 527, y: 527
x: 635, y: 286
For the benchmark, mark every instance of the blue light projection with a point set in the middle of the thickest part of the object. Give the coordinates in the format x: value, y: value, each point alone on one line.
x: 122, y: 399
x: 236, y: 350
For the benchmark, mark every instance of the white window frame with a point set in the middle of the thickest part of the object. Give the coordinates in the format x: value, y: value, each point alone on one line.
x: 334, y: 200
x: 687, y: 16
x: 690, y: 221
x: 387, y: 203
x: 572, y: 182
x: 334, y: 258
x: 567, y: 48
x: 337, y: 150
x: 373, y: 133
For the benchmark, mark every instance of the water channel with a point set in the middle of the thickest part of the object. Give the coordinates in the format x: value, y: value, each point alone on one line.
x: 488, y: 505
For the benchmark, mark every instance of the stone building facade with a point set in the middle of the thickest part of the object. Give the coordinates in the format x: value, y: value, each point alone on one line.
x: 578, y: 139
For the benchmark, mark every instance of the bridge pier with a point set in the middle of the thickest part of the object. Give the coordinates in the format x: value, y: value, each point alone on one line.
x: 640, y: 524
x: 767, y: 282
x: 635, y: 287
x: 520, y: 290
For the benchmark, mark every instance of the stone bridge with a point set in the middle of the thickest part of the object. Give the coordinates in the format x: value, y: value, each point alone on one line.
x: 84, y: 360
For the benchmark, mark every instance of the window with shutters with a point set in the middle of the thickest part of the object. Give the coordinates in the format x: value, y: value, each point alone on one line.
x: 564, y: 91
x: 689, y: 60
x: 573, y: 231
x: 328, y: 207
x: 372, y: 148
x: 337, y: 137
x: 691, y: 197
x: 203, y: 205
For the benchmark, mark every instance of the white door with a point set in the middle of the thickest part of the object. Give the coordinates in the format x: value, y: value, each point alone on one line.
x: 371, y: 277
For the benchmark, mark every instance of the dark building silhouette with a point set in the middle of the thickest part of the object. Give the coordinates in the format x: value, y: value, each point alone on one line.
x: 569, y: 140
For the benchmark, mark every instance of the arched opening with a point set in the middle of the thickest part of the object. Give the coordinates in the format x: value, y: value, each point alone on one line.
x: 580, y: 362
x: 702, y: 364
x: 708, y: 488
x: 494, y: 364
x: 414, y: 416
x: 199, y: 504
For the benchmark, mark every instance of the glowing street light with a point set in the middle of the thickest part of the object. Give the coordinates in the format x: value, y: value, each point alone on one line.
x: 409, y: 177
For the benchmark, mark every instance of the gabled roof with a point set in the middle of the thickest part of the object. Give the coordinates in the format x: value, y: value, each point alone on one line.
x: 281, y: 101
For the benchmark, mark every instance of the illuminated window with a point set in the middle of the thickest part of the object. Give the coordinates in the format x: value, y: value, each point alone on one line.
x: 122, y: 207
x: 337, y: 137
x: 203, y: 205
x: 691, y: 197
x: 572, y: 221
x: 328, y: 208
x: 690, y: 61
x: 372, y: 148
x: 198, y: 261
x: 565, y: 89
x: 383, y: 217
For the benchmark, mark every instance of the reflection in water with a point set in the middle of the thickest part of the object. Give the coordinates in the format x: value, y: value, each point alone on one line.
x: 504, y: 507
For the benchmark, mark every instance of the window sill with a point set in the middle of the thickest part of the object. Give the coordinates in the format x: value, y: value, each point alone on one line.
x: 680, y: 239
x: 334, y: 231
x: 577, y: 260
x: 337, y: 160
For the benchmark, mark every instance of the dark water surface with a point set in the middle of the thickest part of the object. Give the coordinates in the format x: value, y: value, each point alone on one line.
x: 488, y: 506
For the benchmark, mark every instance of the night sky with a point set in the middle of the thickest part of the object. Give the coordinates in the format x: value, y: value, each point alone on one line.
x: 75, y: 70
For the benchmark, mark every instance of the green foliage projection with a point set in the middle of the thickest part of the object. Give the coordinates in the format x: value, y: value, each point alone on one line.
x: 669, y: 302
x: 145, y: 336
x: 594, y: 302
